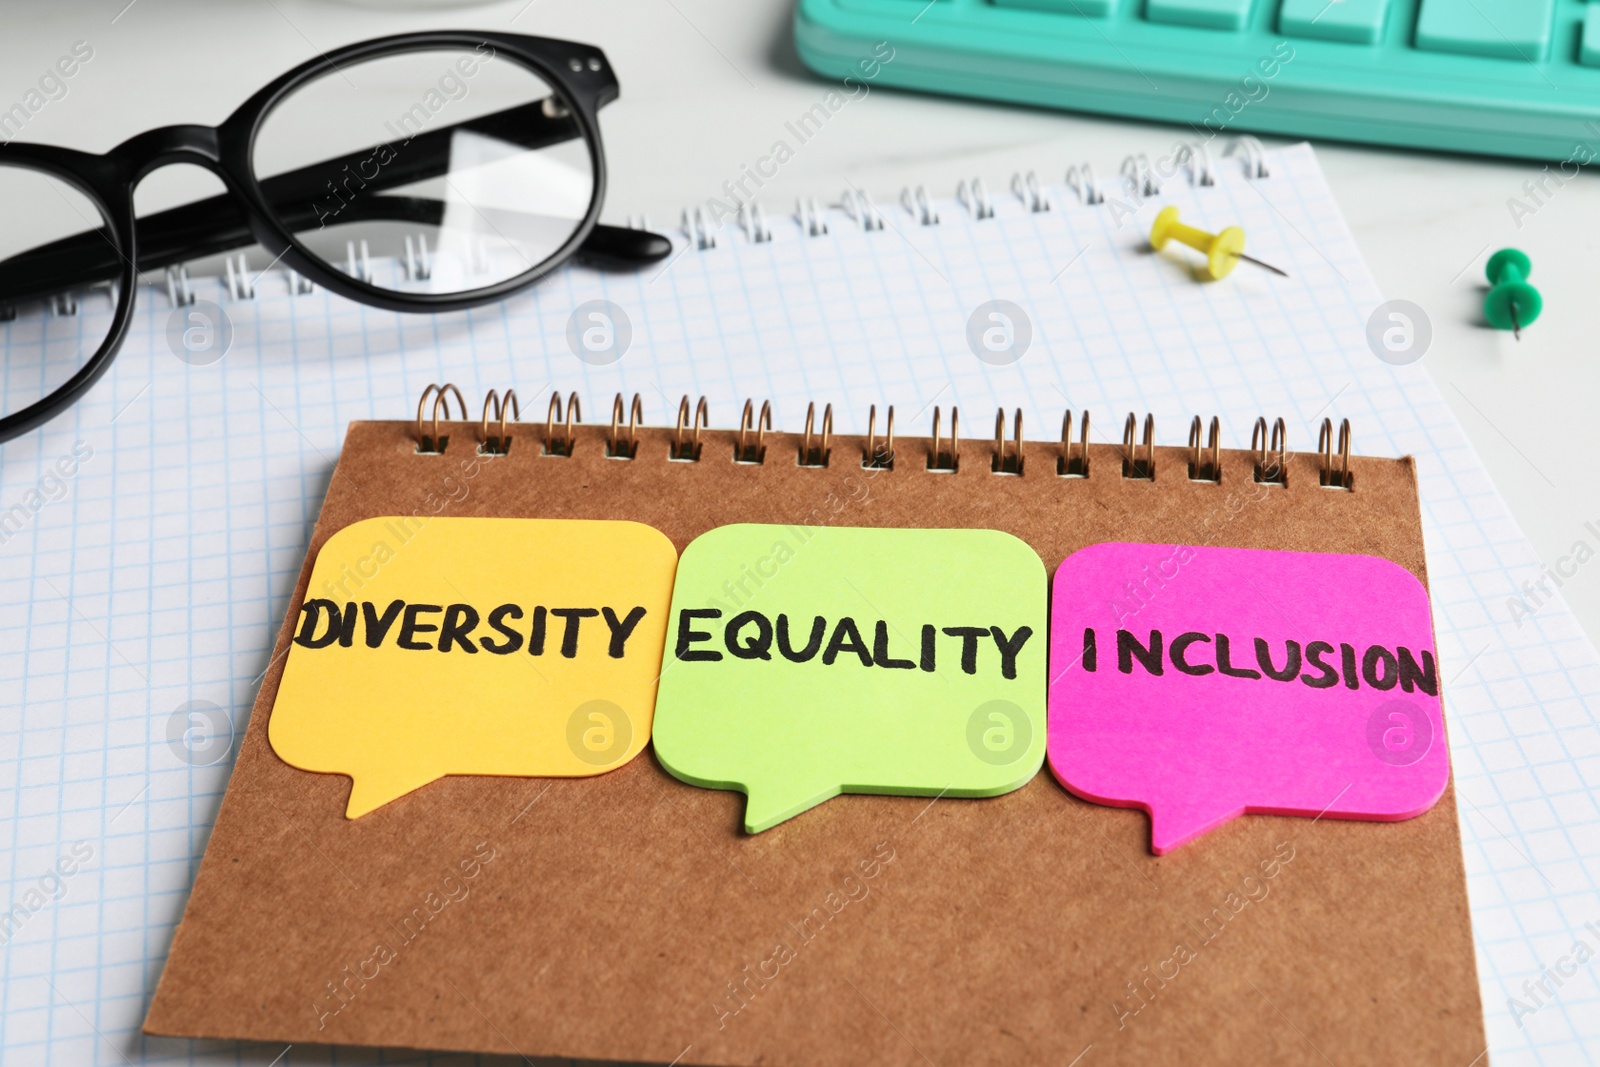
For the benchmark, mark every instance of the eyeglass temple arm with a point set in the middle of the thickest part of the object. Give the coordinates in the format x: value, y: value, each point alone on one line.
x: 211, y: 227
x: 215, y: 225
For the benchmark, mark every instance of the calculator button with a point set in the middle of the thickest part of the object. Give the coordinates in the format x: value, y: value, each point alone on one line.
x: 1507, y: 29
x: 1211, y: 14
x: 1356, y: 21
x: 1589, y: 54
x: 1086, y: 8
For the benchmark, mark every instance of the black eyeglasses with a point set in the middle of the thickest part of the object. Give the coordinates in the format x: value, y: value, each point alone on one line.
x: 422, y: 172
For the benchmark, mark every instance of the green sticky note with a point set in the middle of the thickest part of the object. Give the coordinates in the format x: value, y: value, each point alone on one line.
x: 805, y: 662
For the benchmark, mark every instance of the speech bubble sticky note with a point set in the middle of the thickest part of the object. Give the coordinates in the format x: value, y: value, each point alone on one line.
x: 1200, y: 684
x: 803, y: 662
x: 527, y: 647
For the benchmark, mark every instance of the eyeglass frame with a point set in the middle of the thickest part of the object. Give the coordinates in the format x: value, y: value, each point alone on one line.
x: 578, y: 72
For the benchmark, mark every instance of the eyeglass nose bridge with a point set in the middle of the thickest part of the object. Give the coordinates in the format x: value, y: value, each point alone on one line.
x: 163, y: 147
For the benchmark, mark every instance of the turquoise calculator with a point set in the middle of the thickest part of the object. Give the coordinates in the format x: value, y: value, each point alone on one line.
x: 1500, y: 77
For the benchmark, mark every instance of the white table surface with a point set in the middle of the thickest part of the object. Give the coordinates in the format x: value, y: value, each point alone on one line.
x: 708, y: 84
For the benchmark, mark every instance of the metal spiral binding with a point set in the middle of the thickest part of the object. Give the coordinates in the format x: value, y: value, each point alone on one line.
x: 1198, y: 160
x: 938, y: 458
x: 1329, y: 478
x: 418, y: 259
x: 974, y: 196
x: 358, y: 267
x: 180, y: 293
x: 1137, y: 174
x: 876, y: 456
x: 1132, y: 465
x: 554, y: 414
x: 178, y: 290
x: 817, y: 457
x: 1140, y: 176
x: 1270, y: 469
x: 615, y: 447
x: 496, y: 430
x: 418, y: 265
x: 1026, y: 187
x: 1199, y: 469
x: 808, y: 213
x: 752, y: 219
x: 916, y: 201
x: 1082, y: 181
x: 434, y: 443
x: 689, y: 451
x: 1002, y: 464
x: 494, y: 407
x: 755, y: 453
x: 859, y: 207
x: 1255, y: 156
x: 240, y: 285
x: 1066, y: 466
x: 698, y: 230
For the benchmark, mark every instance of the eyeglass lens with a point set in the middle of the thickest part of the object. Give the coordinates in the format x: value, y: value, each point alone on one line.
x: 46, y: 335
x: 439, y: 171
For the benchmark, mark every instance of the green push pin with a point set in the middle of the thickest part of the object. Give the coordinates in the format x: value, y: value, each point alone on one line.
x: 1512, y: 303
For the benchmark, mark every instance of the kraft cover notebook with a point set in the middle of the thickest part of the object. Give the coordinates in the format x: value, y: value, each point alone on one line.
x: 629, y: 917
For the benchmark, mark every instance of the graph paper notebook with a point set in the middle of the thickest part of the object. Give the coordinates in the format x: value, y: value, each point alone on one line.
x: 1050, y: 925
x: 143, y: 597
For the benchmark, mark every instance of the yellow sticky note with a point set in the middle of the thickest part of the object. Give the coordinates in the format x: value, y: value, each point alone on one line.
x: 427, y: 647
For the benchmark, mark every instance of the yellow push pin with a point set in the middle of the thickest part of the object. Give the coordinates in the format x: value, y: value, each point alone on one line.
x: 1223, y: 251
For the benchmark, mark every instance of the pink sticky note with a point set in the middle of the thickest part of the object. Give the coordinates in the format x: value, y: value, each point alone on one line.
x: 1172, y: 689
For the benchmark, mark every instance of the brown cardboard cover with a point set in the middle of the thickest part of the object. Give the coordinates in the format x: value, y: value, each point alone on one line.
x: 628, y: 917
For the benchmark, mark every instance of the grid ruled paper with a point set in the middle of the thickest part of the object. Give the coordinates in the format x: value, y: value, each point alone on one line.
x: 140, y: 597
